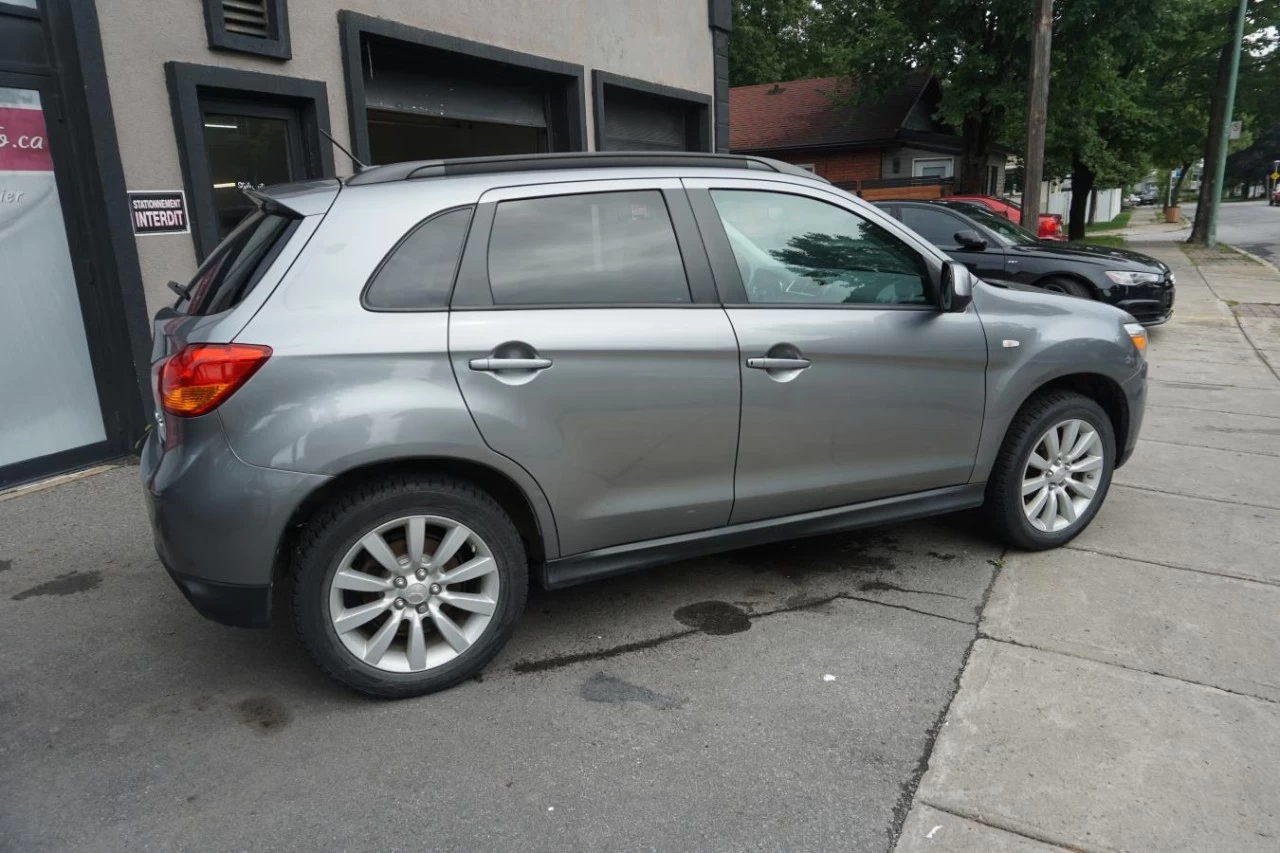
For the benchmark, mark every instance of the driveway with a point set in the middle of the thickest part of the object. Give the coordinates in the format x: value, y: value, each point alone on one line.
x: 785, y: 696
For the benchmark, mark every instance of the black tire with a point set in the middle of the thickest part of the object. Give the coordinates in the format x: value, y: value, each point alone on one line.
x: 1004, y: 507
x: 1069, y: 286
x: 338, y: 525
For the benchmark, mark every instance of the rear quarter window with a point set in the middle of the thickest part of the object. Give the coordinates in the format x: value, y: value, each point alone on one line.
x: 417, y: 275
x: 234, y: 268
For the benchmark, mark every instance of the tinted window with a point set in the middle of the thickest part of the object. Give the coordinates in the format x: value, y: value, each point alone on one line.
x: 792, y: 249
x: 418, y: 274
x: 1011, y: 232
x: 585, y: 249
x: 233, y: 269
x: 936, y: 226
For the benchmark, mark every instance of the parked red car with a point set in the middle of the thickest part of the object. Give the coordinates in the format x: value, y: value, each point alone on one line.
x: 1050, y: 223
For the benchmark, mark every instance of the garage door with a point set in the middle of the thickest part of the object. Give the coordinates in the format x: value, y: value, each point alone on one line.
x: 635, y: 121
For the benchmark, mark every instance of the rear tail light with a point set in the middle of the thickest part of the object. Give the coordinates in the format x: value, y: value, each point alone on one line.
x: 199, y: 377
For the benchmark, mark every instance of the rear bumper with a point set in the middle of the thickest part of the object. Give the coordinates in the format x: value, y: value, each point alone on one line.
x: 218, y: 522
x: 227, y: 603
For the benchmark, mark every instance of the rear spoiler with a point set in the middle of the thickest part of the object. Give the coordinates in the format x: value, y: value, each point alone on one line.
x: 296, y: 200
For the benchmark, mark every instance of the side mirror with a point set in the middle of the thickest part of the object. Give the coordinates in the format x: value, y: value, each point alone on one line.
x: 970, y: 239
x: 955, y: 290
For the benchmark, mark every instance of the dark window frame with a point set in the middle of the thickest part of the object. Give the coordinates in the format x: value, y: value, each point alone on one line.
x: 67, y: 56
x: 697, y: 133
x: 276, y: 46
x: 408, y: 235
x: 191, y: 85
x: 353, y: 27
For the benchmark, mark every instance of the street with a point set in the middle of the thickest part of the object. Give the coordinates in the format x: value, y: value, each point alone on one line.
x: 1250, y: 225
x: 783, y: 697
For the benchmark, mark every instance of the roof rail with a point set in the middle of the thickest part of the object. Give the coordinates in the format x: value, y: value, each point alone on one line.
x: 572, y: 160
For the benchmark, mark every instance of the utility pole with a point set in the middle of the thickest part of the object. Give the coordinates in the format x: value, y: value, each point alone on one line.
x: 1037, y: 114
x: 1224, y: 131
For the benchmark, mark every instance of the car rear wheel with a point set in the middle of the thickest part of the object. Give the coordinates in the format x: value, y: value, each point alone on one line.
x: 1053, y: 471
x: 1069, y: 286
x: 405, y: 586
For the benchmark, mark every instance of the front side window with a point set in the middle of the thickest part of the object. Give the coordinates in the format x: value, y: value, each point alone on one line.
x: 590, y: 249
x: 796, y: 250
x: 234, y: 268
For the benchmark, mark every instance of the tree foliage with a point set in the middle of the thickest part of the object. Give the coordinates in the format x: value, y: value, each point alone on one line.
x: 1130, y: 88
x: 776, y: 40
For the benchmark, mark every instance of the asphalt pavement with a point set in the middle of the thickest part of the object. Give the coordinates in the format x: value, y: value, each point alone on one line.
x: 1250, y: 225
x: 783, y: 697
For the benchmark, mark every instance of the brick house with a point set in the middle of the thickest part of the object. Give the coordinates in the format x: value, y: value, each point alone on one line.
x: 890, y: 147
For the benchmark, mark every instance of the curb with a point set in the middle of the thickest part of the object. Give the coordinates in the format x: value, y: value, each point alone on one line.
x: 1251, y: 256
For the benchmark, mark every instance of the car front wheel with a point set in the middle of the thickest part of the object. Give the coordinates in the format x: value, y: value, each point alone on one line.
x: 1053, y: 471
x: 408, y: 585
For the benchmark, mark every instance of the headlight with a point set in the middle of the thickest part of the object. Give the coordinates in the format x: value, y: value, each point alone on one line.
x: 1126, y: 277
x: 1138, y: 335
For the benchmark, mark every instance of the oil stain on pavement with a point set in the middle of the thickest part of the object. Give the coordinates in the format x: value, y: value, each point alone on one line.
x: 266, y: 714
x: 64, y: 584
x: 713, y: 617
x: 611, y: 690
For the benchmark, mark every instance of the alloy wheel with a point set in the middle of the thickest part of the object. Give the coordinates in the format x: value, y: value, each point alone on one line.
x: 414, y: 593
x: 1061, y: 476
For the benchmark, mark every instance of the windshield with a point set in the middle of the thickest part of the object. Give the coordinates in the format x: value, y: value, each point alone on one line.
x: 1014, y: 235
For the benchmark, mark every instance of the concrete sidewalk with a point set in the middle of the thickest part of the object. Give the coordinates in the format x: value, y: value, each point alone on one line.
x: 1124, y: 692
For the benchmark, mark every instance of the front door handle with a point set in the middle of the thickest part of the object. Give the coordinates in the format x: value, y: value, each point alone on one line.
x: 778, y: 363
x: 494, y: 364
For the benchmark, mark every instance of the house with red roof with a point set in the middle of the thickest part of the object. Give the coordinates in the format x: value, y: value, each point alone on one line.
x: 891, y: 146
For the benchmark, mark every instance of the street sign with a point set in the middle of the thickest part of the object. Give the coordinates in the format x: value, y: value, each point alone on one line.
x: 1237, y: 127
x: 1275, y: 176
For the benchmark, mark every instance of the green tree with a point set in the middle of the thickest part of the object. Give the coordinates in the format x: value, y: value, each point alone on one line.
x: 775, y: 40
x: 978, y: 49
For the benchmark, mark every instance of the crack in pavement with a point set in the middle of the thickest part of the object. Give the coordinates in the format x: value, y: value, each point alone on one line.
x: 1154, y: 672
x: 561, y: 661
x: 907, y: 790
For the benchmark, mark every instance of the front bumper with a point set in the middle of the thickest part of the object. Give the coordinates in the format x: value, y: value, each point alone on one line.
x: 1135, y: 395
x: 217, y: 521
x: 1150, y: 304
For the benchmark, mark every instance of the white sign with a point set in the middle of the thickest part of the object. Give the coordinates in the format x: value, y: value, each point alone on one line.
x: 1237, y: 127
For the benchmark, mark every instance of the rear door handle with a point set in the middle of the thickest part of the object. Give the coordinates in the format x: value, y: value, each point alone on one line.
x: 778, y: 363
x: 494, y: 364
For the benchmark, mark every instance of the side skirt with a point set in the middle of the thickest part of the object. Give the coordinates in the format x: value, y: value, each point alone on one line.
x: 620, y: 559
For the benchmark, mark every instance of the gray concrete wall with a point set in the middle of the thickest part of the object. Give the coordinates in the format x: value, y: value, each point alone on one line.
x: 660, y: 41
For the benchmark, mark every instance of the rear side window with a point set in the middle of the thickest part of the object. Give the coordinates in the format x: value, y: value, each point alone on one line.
x: 598, y: 248
x: 235, y: 267
x: 937, y: 227
x: 418, y: 274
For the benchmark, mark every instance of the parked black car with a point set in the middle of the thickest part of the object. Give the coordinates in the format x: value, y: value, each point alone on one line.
x: 1002, y: 252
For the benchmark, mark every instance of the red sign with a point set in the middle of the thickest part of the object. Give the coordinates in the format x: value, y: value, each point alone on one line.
x: 24, y: 145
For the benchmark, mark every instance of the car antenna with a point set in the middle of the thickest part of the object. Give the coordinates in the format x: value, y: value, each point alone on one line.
x: 360, y: 167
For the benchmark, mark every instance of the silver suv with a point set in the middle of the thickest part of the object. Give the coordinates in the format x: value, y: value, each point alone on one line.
x: 395, y: 398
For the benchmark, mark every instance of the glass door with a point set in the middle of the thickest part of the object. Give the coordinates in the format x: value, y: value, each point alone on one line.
x: 250, y: 146
x: 50, y: 410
